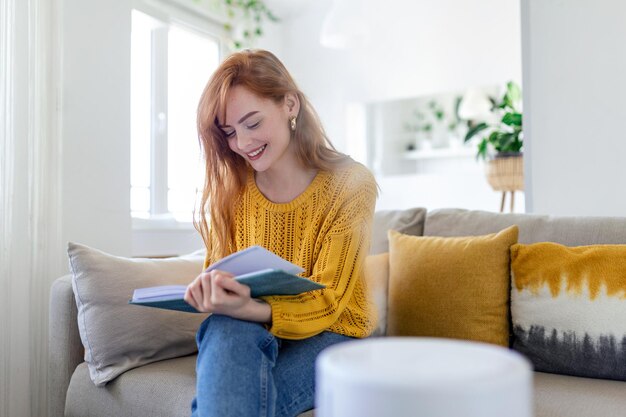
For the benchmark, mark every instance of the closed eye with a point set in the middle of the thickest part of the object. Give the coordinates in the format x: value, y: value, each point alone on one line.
x: 255, y: 125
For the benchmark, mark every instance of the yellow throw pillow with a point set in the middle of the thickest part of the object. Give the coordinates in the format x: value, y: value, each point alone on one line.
x: 568, y: 306
x: 455, y: 287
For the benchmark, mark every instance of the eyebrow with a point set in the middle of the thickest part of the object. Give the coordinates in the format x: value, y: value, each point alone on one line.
x: 252, y: 113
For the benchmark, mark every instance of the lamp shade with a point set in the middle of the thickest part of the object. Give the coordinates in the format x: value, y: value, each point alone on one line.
x: 344, y: 26
x: 475, y: 105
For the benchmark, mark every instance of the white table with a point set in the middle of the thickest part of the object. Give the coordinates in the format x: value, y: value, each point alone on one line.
x: 428, y: 377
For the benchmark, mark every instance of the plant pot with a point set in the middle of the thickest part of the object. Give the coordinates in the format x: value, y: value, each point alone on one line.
x: 505, y: 172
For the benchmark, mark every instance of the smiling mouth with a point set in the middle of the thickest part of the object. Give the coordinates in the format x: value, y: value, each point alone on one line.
x: 256, y: 153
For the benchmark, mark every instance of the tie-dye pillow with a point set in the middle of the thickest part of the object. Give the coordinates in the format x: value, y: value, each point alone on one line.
x: 568, y: 306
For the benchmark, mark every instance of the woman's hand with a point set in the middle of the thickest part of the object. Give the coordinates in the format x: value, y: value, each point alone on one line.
x: 218, y: 292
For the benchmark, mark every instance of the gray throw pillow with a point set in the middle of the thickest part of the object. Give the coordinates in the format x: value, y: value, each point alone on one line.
x: 408, y: 222
x: 118, y: 336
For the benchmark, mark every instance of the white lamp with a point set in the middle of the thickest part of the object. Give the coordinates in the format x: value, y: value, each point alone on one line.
x: 475, y: 105
x: 344, y: 25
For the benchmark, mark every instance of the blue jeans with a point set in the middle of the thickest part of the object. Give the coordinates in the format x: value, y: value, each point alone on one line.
x: 244, y: 370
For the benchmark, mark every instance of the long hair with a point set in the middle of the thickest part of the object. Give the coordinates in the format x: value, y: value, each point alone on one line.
x: 262, y: 74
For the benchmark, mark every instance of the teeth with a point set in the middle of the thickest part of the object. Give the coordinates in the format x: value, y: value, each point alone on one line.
x: 258, y: 151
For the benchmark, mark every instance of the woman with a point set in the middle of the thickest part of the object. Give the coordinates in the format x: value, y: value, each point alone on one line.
x: 274, y: 180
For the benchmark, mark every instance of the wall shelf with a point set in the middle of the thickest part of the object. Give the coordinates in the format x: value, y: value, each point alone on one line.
x: 440, y: 153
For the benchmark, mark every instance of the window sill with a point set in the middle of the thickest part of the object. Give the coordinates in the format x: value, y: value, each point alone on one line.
x: 162, y: 237
x: 164, y: 223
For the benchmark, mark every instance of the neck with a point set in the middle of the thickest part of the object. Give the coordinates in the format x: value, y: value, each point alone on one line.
x: 283, y: 184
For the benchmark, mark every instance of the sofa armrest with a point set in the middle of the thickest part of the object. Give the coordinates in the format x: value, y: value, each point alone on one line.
x: 65, y: 349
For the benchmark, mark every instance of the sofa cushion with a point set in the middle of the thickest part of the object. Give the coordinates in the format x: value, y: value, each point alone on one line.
x: 118, y: 336
x: 455, y: 287
x: 408, y: 221
x: 569, y: 396
x: 567, y: 306
x: 159, y: 389
x: 571, y: 231
x: 377, y: 281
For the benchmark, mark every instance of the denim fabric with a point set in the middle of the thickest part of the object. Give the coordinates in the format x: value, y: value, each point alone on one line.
x: 243, y: 370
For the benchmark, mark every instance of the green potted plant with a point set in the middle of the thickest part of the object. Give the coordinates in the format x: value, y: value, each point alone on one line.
x: 504, y: 138
x: 502, y: 143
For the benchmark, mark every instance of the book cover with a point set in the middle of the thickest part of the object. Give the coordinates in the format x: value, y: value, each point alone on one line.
x: 263, y: 271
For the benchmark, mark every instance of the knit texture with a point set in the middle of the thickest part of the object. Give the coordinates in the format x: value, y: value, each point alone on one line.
x: 326, y: 230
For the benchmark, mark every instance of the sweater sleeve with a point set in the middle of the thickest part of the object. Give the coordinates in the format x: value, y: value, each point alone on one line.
x: 339, y: 266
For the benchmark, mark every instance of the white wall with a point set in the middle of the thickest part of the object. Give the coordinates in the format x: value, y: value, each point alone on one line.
x: 466, y: 186
x: 414, y: 48
x: 96, y: 123
x: 574, y: 65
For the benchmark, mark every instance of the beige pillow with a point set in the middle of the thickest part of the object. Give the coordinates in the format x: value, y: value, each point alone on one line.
x: 377, y: 282
x: 118, y: 336
x: 456, y: 287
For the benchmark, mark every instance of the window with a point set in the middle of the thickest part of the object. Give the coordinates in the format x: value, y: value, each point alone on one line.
x: 171, y: 61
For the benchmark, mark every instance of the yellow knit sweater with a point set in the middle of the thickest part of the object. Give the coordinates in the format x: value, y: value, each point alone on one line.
x: 325, y: 230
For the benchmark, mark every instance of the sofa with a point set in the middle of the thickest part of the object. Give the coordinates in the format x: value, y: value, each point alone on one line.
x: 166, y: 387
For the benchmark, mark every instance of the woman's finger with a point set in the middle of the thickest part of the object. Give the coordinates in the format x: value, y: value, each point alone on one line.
x: 232, y: 285
x: 205, y: 288
x: 192, y: 292
x: 217, y: 292
x: 188, y: 297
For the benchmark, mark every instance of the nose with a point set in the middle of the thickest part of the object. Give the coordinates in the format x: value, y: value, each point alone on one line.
x: 243, y: 139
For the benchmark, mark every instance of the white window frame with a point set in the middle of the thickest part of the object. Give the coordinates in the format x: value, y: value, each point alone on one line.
x: 162, y: 234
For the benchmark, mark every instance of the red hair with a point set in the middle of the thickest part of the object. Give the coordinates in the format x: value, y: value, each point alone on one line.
x: 226, y: 172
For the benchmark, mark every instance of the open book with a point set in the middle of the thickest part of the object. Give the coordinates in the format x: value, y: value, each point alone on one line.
x: 263, y: 271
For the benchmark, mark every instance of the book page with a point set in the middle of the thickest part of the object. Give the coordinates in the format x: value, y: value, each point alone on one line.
x: 253, y: 259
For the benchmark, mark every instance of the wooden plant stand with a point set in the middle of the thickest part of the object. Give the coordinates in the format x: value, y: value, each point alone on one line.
x: 506, y: 174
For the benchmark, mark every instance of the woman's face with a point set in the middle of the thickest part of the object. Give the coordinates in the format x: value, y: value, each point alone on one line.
x: 258, y: 128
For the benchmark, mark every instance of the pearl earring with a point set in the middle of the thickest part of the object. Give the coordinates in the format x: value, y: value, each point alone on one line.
x: 292, y: 123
